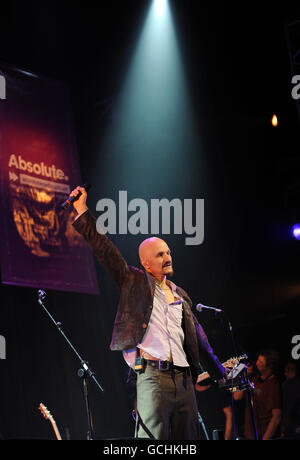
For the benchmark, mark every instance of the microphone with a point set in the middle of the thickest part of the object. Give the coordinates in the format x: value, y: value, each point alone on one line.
x: 41, y: 297
x: 66, y: 204
x: 42, y: 294
x: 201, y: 307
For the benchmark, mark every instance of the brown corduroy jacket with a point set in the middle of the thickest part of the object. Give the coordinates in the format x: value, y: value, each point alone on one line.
x: 136, y: 288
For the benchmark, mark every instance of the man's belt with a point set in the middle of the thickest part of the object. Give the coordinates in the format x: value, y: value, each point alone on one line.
x: 164, y: 365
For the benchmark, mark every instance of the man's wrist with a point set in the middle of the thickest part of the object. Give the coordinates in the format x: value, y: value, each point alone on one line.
x: 79, y: 213
x: 81, y: 210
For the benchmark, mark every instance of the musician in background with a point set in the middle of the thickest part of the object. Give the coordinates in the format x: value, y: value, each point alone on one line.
x: 266, y: 398
x: 214, y: 405
x: 290, y: 425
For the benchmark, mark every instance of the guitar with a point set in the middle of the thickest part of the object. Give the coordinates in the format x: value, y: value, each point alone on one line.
x: 230, y: 363
x: 46, y: 413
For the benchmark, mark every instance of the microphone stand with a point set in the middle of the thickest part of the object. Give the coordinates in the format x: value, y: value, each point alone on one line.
x: 203, y: 426
x: 84, y: 372
x: 246, y: 386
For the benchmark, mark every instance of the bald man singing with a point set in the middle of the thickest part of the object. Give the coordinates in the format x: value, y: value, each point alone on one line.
x: 160, y: 338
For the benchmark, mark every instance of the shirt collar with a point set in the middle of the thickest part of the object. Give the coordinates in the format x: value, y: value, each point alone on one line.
x: 153, y: 283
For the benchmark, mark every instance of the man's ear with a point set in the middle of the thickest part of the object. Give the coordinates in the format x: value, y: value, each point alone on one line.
x: 144, y: 263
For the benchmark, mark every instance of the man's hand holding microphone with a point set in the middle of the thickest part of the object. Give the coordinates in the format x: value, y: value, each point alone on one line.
x: 77, y: 198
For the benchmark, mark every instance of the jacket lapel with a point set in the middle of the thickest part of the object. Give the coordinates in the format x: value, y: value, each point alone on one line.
x: 151, y: 282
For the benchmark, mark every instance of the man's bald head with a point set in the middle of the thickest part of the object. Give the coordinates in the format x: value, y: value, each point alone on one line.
x: 148, y: 246
x: 155, y: 257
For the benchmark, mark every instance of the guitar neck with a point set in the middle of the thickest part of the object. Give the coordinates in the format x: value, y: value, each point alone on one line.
x: 46, y: 413
x: 56, y: 431
x: 205, y: 375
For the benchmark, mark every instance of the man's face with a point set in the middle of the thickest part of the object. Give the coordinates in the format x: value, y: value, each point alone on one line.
x: 289, y: 371
x: 261, y: 364
x: 156, y: 257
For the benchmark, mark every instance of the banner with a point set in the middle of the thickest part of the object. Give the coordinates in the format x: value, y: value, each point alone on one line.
x: 39, y: 167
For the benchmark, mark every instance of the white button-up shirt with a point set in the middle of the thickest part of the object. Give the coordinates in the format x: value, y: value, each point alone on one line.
x: 164, y: 335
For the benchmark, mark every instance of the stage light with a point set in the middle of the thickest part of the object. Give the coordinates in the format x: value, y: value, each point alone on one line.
x: 296, y: 231
x: 160, y: 6
x: 154, y: 123
x: 274, y: 121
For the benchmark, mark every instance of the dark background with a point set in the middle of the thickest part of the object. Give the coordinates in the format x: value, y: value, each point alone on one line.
x: 238, y: 68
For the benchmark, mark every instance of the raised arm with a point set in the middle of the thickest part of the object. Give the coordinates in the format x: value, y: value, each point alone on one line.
x: 107, y: 253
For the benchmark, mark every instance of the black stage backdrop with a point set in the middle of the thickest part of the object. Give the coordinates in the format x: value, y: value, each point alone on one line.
x: 239, y: 74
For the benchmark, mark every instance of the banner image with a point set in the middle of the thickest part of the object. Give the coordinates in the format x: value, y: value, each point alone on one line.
x: 38, y: 168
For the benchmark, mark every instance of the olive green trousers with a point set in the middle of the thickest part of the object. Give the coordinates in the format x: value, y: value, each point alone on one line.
x: 166, y: 405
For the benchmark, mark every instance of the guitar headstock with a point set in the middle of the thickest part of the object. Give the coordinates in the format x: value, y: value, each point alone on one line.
x: 46, y: 413
x: 232, y: 361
